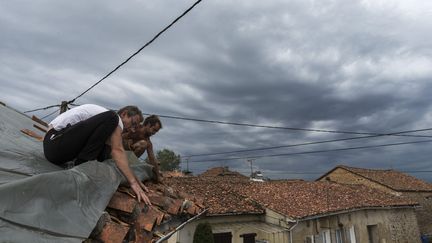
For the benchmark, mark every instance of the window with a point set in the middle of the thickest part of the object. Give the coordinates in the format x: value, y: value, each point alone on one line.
x: 352, y: 237
x: 326, y: 236
x: 222, y: 237
x: 339, y: 236
x: 310, y: 239
x: 373, y: 233
x: 248, y: 238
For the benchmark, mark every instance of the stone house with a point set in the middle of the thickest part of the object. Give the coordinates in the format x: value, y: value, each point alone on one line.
x: 393, y: 182
x: 243, y: 211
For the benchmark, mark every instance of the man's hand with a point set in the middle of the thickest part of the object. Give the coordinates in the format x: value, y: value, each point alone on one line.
x: 157, y: 175
x: 139, y: 189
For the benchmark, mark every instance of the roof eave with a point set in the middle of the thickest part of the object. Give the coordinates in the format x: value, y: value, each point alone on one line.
x: 316, y: 216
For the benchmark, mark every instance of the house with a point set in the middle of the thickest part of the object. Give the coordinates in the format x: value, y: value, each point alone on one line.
x: 243, y: 211
x: 392, y: 182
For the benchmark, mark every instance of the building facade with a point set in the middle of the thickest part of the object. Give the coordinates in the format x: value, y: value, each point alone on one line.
x: 392, y: 182
x: 243, y: 211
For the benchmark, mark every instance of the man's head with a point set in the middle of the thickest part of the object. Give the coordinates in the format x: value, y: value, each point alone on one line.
x: 152, y: 125
x: 131, y: 116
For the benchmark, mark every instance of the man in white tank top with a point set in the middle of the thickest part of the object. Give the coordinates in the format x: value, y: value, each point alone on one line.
x: 91, y: 132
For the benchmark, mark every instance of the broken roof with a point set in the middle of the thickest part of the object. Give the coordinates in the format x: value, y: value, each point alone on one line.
x: 41, y: 202
x: 393, y: 179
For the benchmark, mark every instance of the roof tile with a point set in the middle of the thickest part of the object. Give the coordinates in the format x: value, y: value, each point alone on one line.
x: 394, y: 179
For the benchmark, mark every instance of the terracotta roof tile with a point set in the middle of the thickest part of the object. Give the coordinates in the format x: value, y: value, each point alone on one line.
x: 394, y: 179
x: 302, y: 199
x: 297, y: 199
x: 221, y: 171
x: 218, y: 194
x: 131, y: 221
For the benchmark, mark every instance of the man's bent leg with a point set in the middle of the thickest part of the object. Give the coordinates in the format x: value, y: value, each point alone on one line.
x: 82, y: 141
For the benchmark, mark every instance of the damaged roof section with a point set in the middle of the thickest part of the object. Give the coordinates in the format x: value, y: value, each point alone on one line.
x: 46, y: 203
x: 128, y: 220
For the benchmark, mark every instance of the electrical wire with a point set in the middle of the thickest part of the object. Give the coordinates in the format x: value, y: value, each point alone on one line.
x: 315, y: 151
x: 138, y: 51
x: 125, y: 61
x: 322, y: 173
x: 308, y: 143
x: 50, y: 114
x: 292, y: 128
x: 44, y: 108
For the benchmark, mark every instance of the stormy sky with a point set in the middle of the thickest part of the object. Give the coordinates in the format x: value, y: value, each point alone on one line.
x: 333, y: 65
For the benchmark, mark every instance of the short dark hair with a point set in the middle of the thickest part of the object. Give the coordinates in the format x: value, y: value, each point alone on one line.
x: 131, y: 111
x: 153, y: 120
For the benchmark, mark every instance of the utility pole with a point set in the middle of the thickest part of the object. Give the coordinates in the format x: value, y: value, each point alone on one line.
x: 250, y: 162
x: 63, y: 106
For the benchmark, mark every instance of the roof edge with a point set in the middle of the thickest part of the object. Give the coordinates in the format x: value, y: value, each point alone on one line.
x: 316, y: 216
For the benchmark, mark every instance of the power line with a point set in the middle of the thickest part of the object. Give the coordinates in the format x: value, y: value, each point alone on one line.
x: 139, y: 50
x: 289, y: 128
x: 125, y: 61
x: 315, y: 151
x: 317, y: 172
x: 310, y: 143
x: 50, y: 114
x: 44, y: 108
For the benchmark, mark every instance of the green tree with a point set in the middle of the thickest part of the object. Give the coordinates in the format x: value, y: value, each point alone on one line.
x: 168, y: 160
x: 203, y: 233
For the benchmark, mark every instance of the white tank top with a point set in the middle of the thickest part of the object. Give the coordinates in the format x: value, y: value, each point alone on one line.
x: 77, y: 114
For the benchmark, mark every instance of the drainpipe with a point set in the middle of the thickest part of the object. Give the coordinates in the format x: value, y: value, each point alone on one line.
x: 290, y: 230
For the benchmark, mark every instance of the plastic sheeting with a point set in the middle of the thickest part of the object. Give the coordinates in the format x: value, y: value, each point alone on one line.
x: 39, y: 201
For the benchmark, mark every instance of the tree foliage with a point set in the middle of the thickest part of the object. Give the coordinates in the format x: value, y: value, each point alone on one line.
x: 203, y: 233
x: 168, y: 160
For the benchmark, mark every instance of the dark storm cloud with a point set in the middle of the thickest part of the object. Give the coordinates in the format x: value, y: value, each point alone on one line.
x: 336, y: 65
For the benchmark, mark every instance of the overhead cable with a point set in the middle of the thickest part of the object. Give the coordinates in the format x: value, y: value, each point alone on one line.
x: 50, y: 114
x: 308, y: 143
x: 321, y: 173
x: 314, y: 151
x: 44, y: 108
x: 290, y: 128
x: 125, y: 61
x: 138, y: 51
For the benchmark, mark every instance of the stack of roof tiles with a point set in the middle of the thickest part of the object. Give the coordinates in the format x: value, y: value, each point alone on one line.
x: 127, y: 220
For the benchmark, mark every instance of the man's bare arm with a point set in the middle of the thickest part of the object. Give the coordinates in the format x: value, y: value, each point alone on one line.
x: 152, y: 160
x: 122, y: 163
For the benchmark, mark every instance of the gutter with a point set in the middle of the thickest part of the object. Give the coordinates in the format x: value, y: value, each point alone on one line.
x: 167, y: 236
x: 355, y: 210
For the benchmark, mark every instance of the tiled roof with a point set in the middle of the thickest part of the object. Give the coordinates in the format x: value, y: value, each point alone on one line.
x: 217, y: 193
x: 303, y: 199
x: 394, y: 179
x: 296, y: 199
x: 221, y: 171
